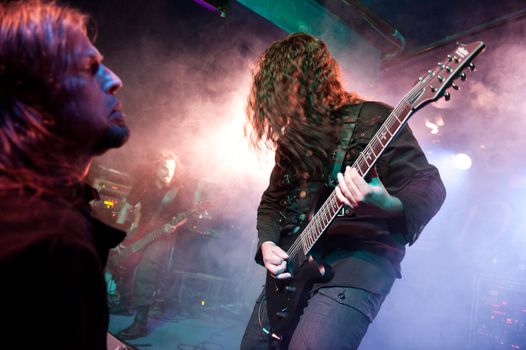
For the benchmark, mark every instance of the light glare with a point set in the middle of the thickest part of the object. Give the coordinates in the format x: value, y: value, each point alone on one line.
x: 462, y: 161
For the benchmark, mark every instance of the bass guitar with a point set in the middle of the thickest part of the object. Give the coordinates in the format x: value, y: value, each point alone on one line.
x: 124, y: 252
x: 287, y: 298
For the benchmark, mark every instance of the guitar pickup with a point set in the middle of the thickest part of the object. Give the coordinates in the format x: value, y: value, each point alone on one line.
x: 283, y: 313
x: 290, y: 289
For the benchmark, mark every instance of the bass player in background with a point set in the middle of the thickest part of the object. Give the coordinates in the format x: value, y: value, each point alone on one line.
x: 298, y: 104
x: 159, y: 194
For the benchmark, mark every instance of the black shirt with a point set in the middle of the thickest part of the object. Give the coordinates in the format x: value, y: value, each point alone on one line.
x: 52, y: 256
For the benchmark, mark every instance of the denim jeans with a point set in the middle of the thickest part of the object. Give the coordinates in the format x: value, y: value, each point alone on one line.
x: 335, y: 318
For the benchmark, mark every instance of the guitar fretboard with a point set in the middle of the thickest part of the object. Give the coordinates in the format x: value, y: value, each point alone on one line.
x: 152, y: 236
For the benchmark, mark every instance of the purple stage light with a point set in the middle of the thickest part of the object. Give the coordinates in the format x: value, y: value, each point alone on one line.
x: 216, y: 6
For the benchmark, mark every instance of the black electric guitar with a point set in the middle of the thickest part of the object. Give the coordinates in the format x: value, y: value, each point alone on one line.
x: 286, y: 298
x: 130, y: 249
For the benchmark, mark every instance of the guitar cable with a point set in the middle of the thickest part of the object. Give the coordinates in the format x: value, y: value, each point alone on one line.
x: 262, y: 302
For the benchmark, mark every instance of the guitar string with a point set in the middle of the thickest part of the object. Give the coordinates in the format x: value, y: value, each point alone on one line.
x: 376, y: 138
x: 300, y: 243
x: 417, y: 88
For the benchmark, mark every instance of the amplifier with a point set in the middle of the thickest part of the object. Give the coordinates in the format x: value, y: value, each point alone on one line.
x: 113, y: 187
x: 498, y: 319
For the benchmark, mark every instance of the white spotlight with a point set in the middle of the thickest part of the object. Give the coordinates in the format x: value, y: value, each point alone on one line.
x: 432, y: 127
x: 462, y: 161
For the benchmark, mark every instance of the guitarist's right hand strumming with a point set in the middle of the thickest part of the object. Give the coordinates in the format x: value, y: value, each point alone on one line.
x: 275, y: 260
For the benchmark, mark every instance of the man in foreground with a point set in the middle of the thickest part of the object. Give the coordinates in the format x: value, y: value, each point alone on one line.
x: 58, y: 110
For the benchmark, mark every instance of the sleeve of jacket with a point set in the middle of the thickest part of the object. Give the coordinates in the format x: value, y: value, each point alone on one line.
x: 268, y: 213
x: 407, y: 174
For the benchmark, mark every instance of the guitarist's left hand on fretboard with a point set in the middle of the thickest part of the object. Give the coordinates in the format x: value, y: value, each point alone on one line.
x: 366, y: 198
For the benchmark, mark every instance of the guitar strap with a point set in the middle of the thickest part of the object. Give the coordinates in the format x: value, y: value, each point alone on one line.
x: 343, y: 144
x: 166, y: 200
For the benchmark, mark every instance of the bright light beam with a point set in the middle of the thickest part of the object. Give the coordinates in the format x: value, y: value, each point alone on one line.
x: 462, y: 161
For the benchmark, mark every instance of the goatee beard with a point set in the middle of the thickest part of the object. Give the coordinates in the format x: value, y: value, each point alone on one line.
x: 115, y: 137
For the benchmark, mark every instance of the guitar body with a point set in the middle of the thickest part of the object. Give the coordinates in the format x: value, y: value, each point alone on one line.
x: 122, y: 263
x: 287, y: 298
x: 124, y: 256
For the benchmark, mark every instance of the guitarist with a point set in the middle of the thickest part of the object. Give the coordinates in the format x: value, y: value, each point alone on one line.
x: 158, y: 195
x: 298, y: 104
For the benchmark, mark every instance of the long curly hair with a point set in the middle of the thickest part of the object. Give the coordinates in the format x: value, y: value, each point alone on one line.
x: 295, y: 90
x: 36, y: 51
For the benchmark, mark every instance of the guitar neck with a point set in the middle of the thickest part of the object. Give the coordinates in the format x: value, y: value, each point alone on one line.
x: 153, y: 235
x: 365, y: 161
x: 149, y: 238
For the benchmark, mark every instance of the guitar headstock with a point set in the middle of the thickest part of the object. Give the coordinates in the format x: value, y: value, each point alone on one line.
x: 433, y: 85
x: 198, y: 207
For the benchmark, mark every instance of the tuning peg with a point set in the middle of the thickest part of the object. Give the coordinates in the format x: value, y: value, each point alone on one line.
x: 463, y: 76
x: 455, y: 86
x: 472, y: 66
x: 449, y: 58
x: 447, y: 96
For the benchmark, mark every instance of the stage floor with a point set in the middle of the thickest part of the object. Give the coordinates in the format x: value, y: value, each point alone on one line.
x: 203, y: 330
